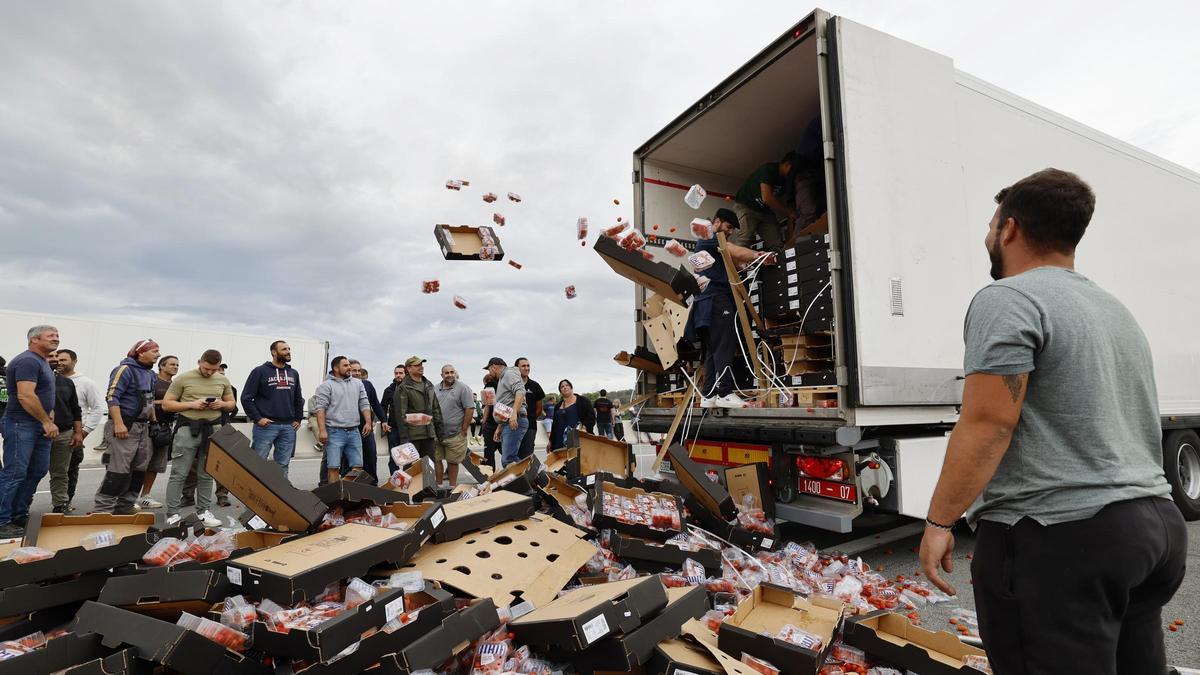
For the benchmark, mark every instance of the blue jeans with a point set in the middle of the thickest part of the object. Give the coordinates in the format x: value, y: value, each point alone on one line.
x: 279, y: 434
x: 26, y: 461
x: 604, y: 429
x: 510, y: 440
x: 343, y: 444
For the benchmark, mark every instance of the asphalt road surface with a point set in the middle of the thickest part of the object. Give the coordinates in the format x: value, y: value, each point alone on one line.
x: 876, y: 542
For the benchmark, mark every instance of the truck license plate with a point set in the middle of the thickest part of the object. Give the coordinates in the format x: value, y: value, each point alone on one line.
x: 827, y: 488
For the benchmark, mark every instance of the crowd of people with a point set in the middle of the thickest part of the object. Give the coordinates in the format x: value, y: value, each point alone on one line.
x: 160, y: 418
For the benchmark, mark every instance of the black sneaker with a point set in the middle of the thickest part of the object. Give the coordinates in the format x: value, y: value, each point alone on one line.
x: 61, y: 509
x: 11, y: 531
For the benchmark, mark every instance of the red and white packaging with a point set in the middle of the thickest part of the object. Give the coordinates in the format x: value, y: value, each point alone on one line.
x: 702, y: 282
x: 231, y: 638
x: 759, y: 665
x: 514, y: 197
x: 498, y: 219
x: 514, y: 264
x: 163, y: 551
x: 28, y: 554
x: 615, y: 231
x: 404, y: 454
x: 488, y: 395
x: 675, y: 248
x: 417, y: 419
x: 501, y: 412
x: 633, y: 241
x: 431, y: 286
x: 454, y: 184
x: 488, y: 252
x: 459, y: 302
x: 570, y: 291
x: 399, y: 480
x: 702, y: 229
x: 581, y: 227
x: 701, y: 260
x: 489, y: 197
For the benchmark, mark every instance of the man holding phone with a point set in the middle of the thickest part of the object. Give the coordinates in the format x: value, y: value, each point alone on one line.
x: 200, y: 397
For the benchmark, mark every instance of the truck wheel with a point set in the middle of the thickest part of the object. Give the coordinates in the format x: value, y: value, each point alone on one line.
x: 785, y: 494
x: 1181, y: 464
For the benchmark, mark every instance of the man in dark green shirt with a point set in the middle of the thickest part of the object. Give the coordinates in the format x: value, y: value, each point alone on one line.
x: 759, y: 204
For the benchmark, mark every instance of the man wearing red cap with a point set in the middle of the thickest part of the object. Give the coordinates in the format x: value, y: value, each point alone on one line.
x: 130, y: 397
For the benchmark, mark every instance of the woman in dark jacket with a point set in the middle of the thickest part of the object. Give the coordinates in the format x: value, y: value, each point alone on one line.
x: 571, y: 411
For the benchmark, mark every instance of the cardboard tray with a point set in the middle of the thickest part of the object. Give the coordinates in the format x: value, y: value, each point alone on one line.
x: 299, y: 569
x: 466, y: 242
x: 600, y: 521
x: 61, y: 533
x: 260, y: 483
x: 527, y: 476
x: 635, y: 548
x: 124, y: 662
x: 598, y: 454
x: 354, y: 494
x: 246, y: 542
x: 26, y: 598
x: 894, y: 638
x: 165, y: 594
x: 557, y: 460
x: 558, y: 495
x: 419, y: 488
x: 692, y: 476
x: 583, y: 617
x: 531, y: 559
x: 751, y: 479
x: 62, y: 652
x: 331, y: 637
x: 681, y: 657
x: 769, y: 608
x: 44, y: 620
x: 737, y: 535
x: 482, y: 512
x: 165, y: 643
x: 636, y: 648
x: 672, y: 282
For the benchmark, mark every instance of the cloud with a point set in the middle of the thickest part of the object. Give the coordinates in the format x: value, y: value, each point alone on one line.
x: 263, y: 167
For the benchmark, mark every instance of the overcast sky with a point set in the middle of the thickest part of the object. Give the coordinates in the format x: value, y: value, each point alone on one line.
x: 277, y: 168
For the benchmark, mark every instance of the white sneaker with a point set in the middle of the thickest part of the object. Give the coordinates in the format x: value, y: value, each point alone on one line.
x: 730, y: 401
x: 209, y: 519
x: 147, y: 503
x: 708, y: 402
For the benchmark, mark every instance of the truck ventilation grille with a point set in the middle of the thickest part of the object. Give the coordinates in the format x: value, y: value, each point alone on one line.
x: 897, y: 297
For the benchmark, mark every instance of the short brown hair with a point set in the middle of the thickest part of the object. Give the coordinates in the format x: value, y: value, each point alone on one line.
x: 1053, y: 208
x: 211, y: 357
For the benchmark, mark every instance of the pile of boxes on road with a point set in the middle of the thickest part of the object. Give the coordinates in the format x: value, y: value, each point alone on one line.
x: 569, y: 565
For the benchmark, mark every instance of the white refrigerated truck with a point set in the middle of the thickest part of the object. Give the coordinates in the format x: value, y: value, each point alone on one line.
x: 914, y: 151
x: 102, y: 343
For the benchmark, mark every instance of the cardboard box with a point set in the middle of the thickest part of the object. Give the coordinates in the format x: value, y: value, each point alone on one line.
x: 641, y: 359
x: 681, y: 657
x: 598, y: 455
x: 300, y: 569
x: 165, y: 643
x: 355, y: 494
x: 260, y: 483
x: 424, y: 484
x: 245, y: 543
x: 583, y: 617
x: 482, y: 512
x: 526, y: 476
x: 894, y: 638
x: 558, y: 495
x: 61, y: 533
x: 754, y: 480
x: 768, y: 609
x: 26, y: 598
x: 531, y: 559
x: 470, y: 464
x: 462, y: 242
x: 674, y: 283
x: 63, y: 652
x: 165, y: 594
x: 44, y: 620
x: 124, y: 662
x: 693, y: 477
x: 636, y: 648
x: 705, y: 639
x: 663, y: 554
x: 557, y: 460
x: 601, y: 521
x: 328, y: 639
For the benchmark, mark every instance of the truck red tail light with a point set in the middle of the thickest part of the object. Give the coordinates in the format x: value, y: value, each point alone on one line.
x: 821, y: 467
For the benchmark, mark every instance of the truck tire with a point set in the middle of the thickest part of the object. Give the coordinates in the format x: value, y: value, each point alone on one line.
x: 1181, y: 464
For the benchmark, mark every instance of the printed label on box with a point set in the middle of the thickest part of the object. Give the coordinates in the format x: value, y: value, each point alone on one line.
x: 794, y: 304
x: 438, y: 517
x: 595, y: 629
x: 393, y: 609
x: 257, y: 523
x: 791, y: 265
x: 591, y: 480
x: 235, y: 575
x: 766, y: 543
x: 792, y: 278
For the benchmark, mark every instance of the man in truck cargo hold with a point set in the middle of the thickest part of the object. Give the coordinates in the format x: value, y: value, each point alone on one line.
x: 127, y: 432
x: 201, y: 397
x: 759, y: 204
x: 1057, y: 456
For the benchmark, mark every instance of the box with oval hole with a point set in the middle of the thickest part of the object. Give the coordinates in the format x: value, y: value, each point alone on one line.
x: 20, y: 601
x: 602, y: 521
x: 481, y: 512
x: 165, y: 594
x: 329, y: 638
x: 582, y: 617
x: 531, y: 559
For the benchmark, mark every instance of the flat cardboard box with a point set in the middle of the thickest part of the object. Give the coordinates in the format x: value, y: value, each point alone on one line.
x: 526, y: 478
x: 636, y: 648
x: 21, y: 600
x: 62, y: 652
x: 353, y: 494
x: 682, y: 657
x: 768, y: 609
x: 462, y: 242
x: 482, y: 512
x: 693, y: 476
x: 124, y: 662
x: 165, y: 643
x: 299, y: 569
x: 599, y: 455
x: 582, y: 617
x: 531, y: 559
x: 602, y: 521
x: 260, y: 483
x: 61, y: 533
x: 671, y: 282
x: 663, y: 554
x: 894, y: 638
x: 165, y: 594
x: 328, y: 639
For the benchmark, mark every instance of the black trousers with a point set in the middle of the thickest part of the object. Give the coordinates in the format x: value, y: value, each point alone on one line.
x: 720, y: 347
x: 1080, y: 597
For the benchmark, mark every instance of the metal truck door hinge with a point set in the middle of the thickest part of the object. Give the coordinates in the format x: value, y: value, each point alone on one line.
x: 835, y: 260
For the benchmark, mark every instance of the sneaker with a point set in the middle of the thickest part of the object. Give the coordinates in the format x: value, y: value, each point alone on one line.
x: 224, y: 501
x: 171, y: 520
x: 708, y: 402
x: 147, y: 502
x: 12, y: 531
x: 61, y: 509
x: 730, y: 401
x: 208, y: 519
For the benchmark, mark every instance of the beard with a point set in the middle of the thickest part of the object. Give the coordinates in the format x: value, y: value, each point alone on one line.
x: 997, y: 258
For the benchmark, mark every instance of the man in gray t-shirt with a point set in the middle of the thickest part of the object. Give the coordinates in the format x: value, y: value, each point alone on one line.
x: 510, y: 391
x: 1057, y: 455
